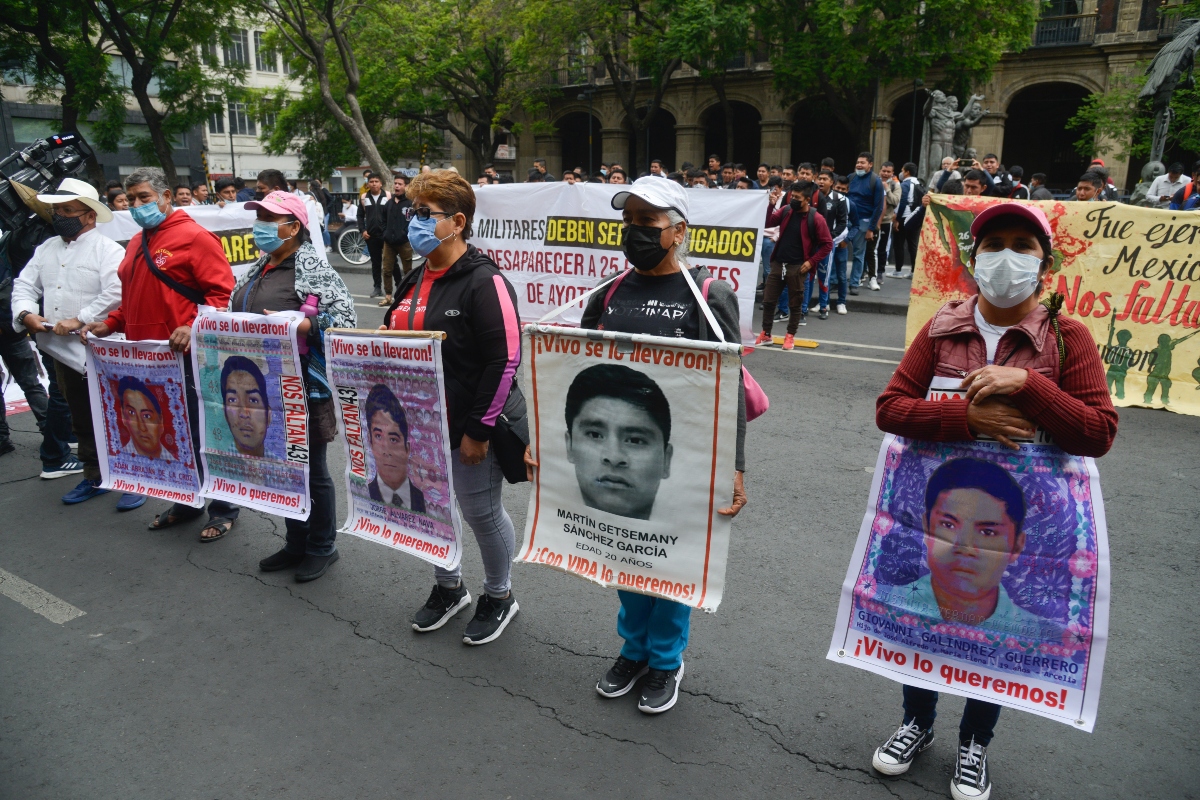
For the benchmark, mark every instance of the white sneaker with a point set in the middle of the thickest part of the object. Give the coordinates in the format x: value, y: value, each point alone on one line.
x: 874, y: 285
x: 841, y: 308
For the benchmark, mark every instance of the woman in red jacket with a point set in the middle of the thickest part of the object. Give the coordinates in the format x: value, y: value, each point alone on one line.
x: 1022, y: 368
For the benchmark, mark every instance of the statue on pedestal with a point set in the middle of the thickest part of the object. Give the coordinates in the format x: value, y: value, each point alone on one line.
x: 937, y: 133
x: 964, y: 122
x: 1152, y: 170
x: 1170, y: 67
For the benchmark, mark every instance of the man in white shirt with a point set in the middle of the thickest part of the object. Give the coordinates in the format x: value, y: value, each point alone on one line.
x: 74, y: 275
x: 1164, y: 187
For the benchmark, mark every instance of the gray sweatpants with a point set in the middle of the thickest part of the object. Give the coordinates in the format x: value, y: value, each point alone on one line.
x: 478, y: 489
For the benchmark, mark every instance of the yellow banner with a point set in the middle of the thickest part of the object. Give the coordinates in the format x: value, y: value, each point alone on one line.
x: 1130, y: 274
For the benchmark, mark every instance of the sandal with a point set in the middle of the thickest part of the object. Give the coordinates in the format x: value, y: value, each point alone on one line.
x: 386, y: 301
x: 221, y: 524
x: 167, y: 520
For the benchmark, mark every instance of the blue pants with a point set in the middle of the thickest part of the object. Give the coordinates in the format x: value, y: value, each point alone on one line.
x: 325, y: 231
x: 864, y: 252
x: 654, y: 629
x: 978, y: 719
x: 818, y: 278
x: 838, y: 277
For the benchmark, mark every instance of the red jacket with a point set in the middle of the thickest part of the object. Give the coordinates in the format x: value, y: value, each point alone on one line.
x: 1074, y: 406
x: 188, y: 253
x: 815, y: 252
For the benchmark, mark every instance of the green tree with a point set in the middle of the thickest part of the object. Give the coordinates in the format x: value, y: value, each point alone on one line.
x: 59, y: 47
x: 170, y: 64
x: 843, y: 50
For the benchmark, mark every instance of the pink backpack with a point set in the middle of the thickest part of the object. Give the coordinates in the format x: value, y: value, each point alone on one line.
x: 757, y: 401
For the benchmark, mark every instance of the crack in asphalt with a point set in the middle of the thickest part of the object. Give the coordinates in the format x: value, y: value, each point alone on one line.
x: 474, y: 680
x: 17, y: 480
x: 773, y: 731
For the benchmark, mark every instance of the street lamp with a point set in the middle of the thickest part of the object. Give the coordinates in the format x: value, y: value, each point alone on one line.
x: 589, y: 92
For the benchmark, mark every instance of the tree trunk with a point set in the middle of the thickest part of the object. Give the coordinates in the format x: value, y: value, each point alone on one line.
x: 154, y: 120
x: 727, y: 110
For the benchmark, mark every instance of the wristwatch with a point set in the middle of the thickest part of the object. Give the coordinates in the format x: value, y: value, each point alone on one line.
x: 21, y: 317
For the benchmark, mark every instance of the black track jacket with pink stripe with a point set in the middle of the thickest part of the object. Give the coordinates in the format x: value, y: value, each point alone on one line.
x: 477, y: 308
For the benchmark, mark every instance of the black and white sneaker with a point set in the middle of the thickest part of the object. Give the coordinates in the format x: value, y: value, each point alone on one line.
x: 70, y: 466
x: 897, y: 753
x: 440, y: 607
x: 660, y: 691
x: 971, y: 779
x: 492, y: 615
x: 621, y: 677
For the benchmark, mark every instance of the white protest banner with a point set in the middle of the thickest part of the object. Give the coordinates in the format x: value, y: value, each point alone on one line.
x: 232, y: 225
x: 555, y: 241
x: 390, y: 394
x: 253, y: 410
x: 983, y: 572
x: 635, y: 437
x: 140, y: 415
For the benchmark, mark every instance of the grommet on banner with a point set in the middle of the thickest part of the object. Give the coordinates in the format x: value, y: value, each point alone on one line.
x: 1079, y: 722
x: 841, y: 653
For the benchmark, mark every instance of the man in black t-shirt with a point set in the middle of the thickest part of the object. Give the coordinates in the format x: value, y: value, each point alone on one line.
x: 804, y: 242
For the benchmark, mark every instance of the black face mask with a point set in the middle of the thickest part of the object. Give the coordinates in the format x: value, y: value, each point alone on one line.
x: 259, y: 195
x: 796, y: 206
x: 642, y: 248
x: 66, y: 227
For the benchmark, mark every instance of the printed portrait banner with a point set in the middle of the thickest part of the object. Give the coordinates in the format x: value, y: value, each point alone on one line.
x: 1130, y: 274
x: 140, y: 414
x: 983, y: 572
x: 555, y: 241
x: 390, y: 394
x: 253, y: 410
x: 232, y: 224
x: 635, y: 437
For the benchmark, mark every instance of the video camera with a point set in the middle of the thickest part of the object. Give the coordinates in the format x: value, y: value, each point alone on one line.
x: 41, y: 167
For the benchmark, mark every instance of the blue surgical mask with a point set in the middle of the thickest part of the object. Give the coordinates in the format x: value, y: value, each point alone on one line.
x: 422, y: 235
x: 148, y: 215
x: 266, y: 236
x: 860, y: 172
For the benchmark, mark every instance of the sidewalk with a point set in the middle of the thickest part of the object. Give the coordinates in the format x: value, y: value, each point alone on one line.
x: 892, y: 297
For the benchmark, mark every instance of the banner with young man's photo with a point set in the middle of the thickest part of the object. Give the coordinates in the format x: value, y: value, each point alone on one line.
x: 555, y: 241
x: 635, y: 439
x: 253, y: 410
x: 389, y: 389
x: 140, y: 413
x: 983, y: 572
x: 1130, y: 274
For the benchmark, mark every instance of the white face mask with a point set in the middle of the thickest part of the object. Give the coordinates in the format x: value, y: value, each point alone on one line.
x: 1006, y: 278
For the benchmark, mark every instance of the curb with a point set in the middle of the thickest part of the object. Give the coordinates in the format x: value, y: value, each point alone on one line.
x: 877, y: 306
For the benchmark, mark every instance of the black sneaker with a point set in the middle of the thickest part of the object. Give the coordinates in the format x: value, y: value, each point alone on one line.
x: 281, y: 560
x: 377, y: 292
x: 660, y: 691
x: 313, y: 567
x: 897, y: 753
x: 492, y: 615
x: 823, y: 313
x: 803, y: 319
x: 971, y: 779
x: 440, y: 607
x: 621, y: 677
x: 780, y: 316
x: 70, y: 466
x: 7, y: 447
x: 854, y: 291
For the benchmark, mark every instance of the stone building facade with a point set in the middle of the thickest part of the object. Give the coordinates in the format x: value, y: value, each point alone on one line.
x: 1078, y: 48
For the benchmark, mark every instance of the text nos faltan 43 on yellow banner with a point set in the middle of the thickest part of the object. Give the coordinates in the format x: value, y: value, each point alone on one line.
x: 1130, y: 274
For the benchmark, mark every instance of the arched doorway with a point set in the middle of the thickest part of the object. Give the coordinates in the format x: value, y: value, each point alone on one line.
x: 573, y: 128
x: 747, y: 134
x: 1036, y: 136
x: 906, y: 136
x: 655, y: 141
x: 817, y: 134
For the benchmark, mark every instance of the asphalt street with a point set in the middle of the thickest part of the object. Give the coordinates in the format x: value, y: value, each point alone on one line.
x: 193, y: 675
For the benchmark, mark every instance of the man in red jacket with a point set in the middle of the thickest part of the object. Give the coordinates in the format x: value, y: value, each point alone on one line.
x: 158, y: 301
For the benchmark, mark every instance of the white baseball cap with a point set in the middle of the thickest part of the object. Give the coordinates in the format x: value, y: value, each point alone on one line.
x: 662, y: 193
x: 75, y: 189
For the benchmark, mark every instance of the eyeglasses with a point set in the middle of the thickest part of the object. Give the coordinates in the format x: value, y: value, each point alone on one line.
x: 423, y: 213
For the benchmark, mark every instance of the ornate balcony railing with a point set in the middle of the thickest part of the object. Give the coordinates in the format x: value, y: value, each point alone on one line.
x: 1065, y: 31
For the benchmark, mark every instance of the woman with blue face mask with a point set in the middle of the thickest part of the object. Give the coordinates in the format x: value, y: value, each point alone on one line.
x: 1007, y: 366
x: 460, y: 291
x: 290, y: 276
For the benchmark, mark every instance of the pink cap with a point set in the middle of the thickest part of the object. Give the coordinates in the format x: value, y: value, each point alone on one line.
x: 282, y: 203
x: 1031, y: 214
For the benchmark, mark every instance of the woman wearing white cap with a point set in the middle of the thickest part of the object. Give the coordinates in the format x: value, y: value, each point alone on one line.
x: 655, y: 239
x: 1021, y: 366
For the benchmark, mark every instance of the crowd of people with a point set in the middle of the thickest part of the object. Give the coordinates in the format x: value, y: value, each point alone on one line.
x: 824, y: 229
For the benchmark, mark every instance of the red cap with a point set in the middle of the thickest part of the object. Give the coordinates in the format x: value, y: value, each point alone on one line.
x: 282, y: 203
x: 1099, y: 161
x: 1028, y: 213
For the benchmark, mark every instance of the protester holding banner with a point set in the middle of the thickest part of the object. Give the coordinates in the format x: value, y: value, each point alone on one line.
x: 286, y: 278
x: 1022, y: 367
x: 74, y: 277
x: 462, y: 292
x: 170, y: 267
x: 655, y: 241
